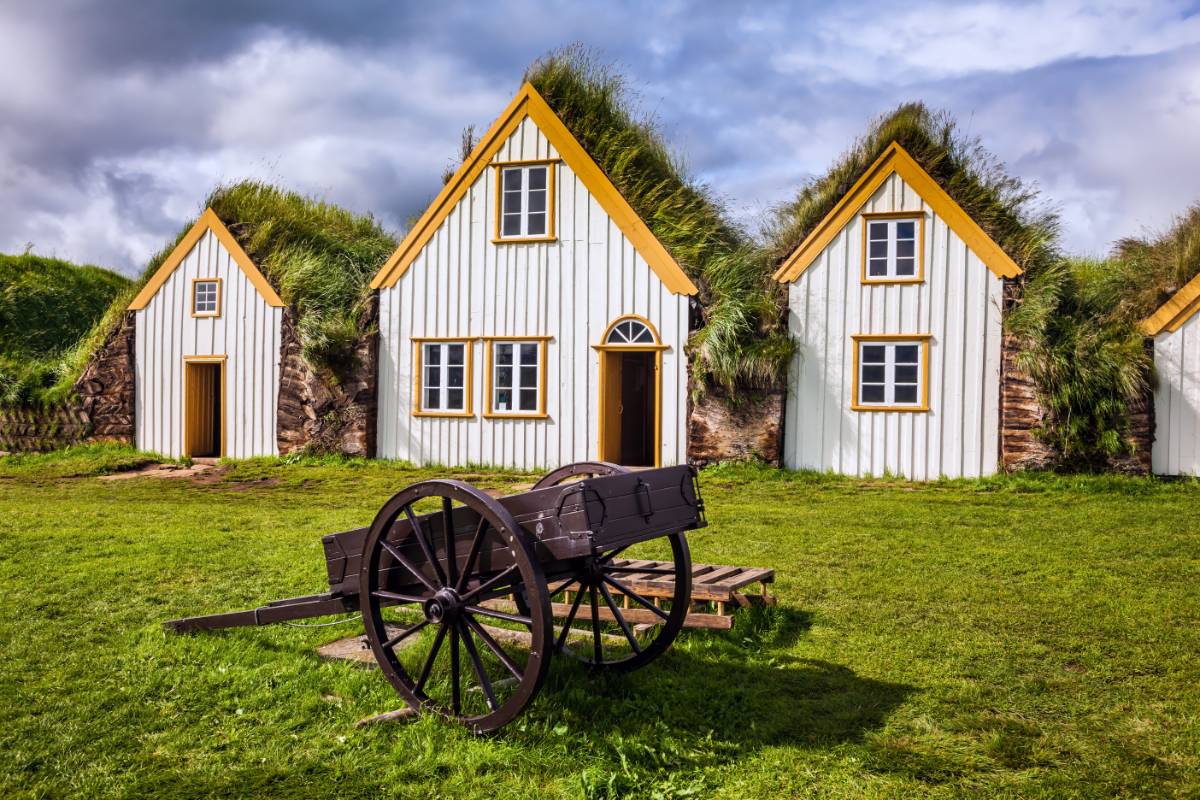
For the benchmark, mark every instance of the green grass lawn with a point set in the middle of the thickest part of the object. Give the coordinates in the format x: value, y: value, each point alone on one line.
x: 1019, y: 637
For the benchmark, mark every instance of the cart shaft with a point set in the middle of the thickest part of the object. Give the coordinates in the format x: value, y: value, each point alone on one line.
x: 317, y: 605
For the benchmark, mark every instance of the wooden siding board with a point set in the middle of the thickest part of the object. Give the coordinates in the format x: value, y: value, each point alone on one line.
x: 1176, y: 448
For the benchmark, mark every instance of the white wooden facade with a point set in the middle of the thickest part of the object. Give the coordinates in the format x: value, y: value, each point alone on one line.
x: 460, y: 284
x: 956, y: 309
x: 1176, y: 332
x: 244, y: 336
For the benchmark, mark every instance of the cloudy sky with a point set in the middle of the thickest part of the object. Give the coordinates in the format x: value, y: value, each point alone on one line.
x: 117, y: 117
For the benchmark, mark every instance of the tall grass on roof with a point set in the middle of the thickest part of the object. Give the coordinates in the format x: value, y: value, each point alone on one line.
x: 319, y: 256
x: 46, y: 304
x: 1007, y: 208
x: 1158, y: 267
x: 741, y: 342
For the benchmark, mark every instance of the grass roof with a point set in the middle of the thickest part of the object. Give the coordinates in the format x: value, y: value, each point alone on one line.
x: 46, y: 304
x: 318, y: 256
x: 1004, y: 206
x: 742, y: 342
x: 1154, y: 269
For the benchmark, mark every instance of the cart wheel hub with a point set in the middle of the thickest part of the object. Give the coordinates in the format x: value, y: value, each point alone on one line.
x: 443, y: 606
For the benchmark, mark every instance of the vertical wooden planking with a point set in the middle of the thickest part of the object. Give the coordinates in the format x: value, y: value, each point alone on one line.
x: 957, y: 305
x: 1176, y: 448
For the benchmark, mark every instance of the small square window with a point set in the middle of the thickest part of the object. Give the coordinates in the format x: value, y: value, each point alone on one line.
x: 206, y: 297
x: 525, y: 202
x: 892, y: 249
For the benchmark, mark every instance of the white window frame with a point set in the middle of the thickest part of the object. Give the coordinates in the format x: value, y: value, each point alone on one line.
x: 215, y: 311
x: 890, y: 223
x: 519, y: 361
x: 504, y: 197
x: 890, y: 366
x: 441, y: 377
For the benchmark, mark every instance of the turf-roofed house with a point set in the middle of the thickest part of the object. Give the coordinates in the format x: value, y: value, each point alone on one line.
x: 896, y: 299
x: 1175, y: 329
x: 530, y: 318
x: 253, y: 334
x: 208, y: 334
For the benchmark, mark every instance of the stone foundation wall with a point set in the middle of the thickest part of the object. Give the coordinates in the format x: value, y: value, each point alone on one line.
x: 725, y: 427
x: 322, y: 413
x: 1022, y: 415
x: 101, y: 411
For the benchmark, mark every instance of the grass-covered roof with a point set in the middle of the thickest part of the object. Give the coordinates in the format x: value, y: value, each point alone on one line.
x: 46, y: 305
x: 318, y: 256
x: 1004, y: 206
x: 741, y: 342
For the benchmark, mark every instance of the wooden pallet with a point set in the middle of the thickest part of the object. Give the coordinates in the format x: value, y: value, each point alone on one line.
x: 717, y: 591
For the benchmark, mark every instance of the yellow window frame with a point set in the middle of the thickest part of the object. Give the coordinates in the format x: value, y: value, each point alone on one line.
x: 468, y: 343
x: 916, y: 216
x: 551, y: 234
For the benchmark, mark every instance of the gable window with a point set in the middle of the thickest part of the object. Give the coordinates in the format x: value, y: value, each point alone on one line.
x: 893, y: 248
x: 891, y: 373
x: 517, y: 377
x: 444, y: 377
x: 525, y: 202
x: 206, y: 297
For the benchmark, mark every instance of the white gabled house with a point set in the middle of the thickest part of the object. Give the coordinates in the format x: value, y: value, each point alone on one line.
x: 530, y: 318
x: 896, y: 302
x: 207, y: 351
x: 1175, y: 328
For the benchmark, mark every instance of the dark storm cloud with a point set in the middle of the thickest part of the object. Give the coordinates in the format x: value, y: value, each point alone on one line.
x: 117, y: 118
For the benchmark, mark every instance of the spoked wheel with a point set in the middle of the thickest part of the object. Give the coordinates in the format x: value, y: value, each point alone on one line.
x: 424, y: 582
x: 613, y: 613
x: 623, y: 629
x: 580, y: 469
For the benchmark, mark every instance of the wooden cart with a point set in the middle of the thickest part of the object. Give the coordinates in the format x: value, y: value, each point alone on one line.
x: 457, y: 589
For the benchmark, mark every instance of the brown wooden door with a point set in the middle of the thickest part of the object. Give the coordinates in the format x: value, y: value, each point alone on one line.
x: 202, y: 409
x: 610, y: 406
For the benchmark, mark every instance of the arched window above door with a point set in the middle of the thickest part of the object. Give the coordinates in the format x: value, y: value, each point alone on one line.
x: 630, y: 331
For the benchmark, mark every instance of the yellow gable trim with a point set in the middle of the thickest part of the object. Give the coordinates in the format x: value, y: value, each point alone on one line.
x: 1179, y: 309
x: 896, y: 160
x: 208, y: 221
x: 528, y: 103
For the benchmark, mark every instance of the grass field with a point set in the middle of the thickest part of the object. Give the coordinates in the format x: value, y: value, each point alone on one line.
x: 1019, y: 637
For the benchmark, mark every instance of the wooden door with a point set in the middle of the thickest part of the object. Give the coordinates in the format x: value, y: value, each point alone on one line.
x: 637, y: 409
x: 610, y: 406
x: 202, y: 409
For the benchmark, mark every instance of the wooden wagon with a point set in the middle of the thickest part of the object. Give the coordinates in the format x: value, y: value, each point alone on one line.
x: 484, y: 575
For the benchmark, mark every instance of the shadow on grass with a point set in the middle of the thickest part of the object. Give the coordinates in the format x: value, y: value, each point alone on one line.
x: 742, y: 687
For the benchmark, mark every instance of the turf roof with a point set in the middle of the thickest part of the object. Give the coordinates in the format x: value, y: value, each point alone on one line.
x: 741, y: 342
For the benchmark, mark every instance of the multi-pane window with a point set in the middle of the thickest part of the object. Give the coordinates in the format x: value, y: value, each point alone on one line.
x: 206, y: 298
x: 891, y: 374
x: 444, y: 377
x: 525, y: 202
x: 892, y: 249
x: 516, y: 380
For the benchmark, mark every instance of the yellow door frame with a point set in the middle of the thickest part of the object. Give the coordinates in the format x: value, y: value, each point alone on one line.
x: 221, y: 360
x: 604, y: 350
